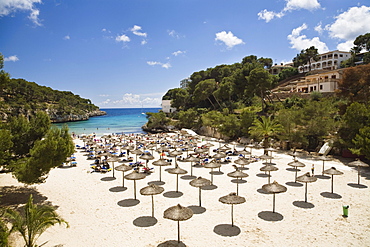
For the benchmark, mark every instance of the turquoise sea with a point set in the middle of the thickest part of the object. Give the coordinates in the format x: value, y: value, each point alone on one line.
x: 117, y: 120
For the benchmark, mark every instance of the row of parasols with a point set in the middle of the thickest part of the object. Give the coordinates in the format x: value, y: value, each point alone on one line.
x: 180, y: 213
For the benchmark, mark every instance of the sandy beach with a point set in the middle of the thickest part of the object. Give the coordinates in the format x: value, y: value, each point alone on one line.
x: 101, y: 213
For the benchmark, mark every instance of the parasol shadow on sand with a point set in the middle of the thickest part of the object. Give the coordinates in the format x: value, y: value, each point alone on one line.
x: 145, y: 221
x: 270, y: 216
x: 171, y: 243
x: 227, y: 230
x: 178, y: 213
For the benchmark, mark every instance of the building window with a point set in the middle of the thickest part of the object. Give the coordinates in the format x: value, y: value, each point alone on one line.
x: 321, y: 87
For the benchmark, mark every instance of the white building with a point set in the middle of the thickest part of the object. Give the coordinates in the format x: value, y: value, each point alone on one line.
x: 327, y: 61
x: 184, y: 83
x: 166, y: 106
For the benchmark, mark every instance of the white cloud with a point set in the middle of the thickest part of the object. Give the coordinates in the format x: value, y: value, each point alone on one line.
x: 269, y: 15
x: 301, y: 42
x: 319, y: 28
x: 136, y: 30
x: 345, y: 46
x: 176, y: 53
x: 173, y: 34
x: 290, y: 6
x: 229, y: 39
x: 67, y: 37
x: 166, y: 65
x: 301, y: 4
x: 143, y: 42
x: 349, y: 25
x: 13, y: 58
x: 122, y: 38
x: 10, y: 6
x: 163, y: 65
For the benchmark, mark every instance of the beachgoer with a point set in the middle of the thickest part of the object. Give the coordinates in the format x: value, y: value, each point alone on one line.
x: 313, y: 169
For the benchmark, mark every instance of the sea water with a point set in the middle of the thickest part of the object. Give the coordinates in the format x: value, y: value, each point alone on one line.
x: 117, y: 121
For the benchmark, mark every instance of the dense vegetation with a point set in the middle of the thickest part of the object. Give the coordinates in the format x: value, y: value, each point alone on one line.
x: 18, y: 96
x: 234, y: 100
x: 29, y: 146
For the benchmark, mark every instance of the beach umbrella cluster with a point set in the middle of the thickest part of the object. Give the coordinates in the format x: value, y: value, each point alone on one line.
x: 201, y: 155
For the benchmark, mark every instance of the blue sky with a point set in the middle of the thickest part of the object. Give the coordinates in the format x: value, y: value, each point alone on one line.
x: 128, y: 53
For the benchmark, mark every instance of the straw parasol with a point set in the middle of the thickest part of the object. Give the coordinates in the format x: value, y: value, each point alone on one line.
x: 128, y: 148
x: 135, y: 176
x: 332, y: 171
x: 237, y: 174
x: 161, y: 163
x: 296, y: 164
x: 177, y: 171
x: 243, y: 152
x: 175, y: 153
x: 232, y: 199
x: 124, y: 168
x: 242, y: 161
x: 151, y: 190
x: 113, y: 159
x: 200, y: 182
x: 147, y: 157
x: 269, y: 168
x: 137, y: 152
x: 219, y: 156
x: 191, y: 159
x: 306, y: 178
x: 359, y: 164
x: 265, y: 157
x: 178, y: 213
x: 274, y: 188
x: 212, y: 165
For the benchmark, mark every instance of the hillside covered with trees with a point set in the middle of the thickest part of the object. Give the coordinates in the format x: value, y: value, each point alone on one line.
x: 234, y: 101
x: 21, y: 97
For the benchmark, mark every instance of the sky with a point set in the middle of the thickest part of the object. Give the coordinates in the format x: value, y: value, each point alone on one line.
x: 129, y: 53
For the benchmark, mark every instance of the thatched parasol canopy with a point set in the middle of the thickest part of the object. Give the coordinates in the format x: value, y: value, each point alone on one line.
x: 135, y: 176
x: 274, y: 187
x: 123, y: 168
x: 178, y: 213
x: 306, y: 178
x: 232, y: 198
x: 200, y: 182
x: 152, y: 189
x: 333, y: 171
x: 176, y: 170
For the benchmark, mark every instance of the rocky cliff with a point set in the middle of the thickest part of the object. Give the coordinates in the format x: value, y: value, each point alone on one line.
x: 55, y: 118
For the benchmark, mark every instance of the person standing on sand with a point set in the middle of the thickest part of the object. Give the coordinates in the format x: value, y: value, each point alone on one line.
x: 313, y: 169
